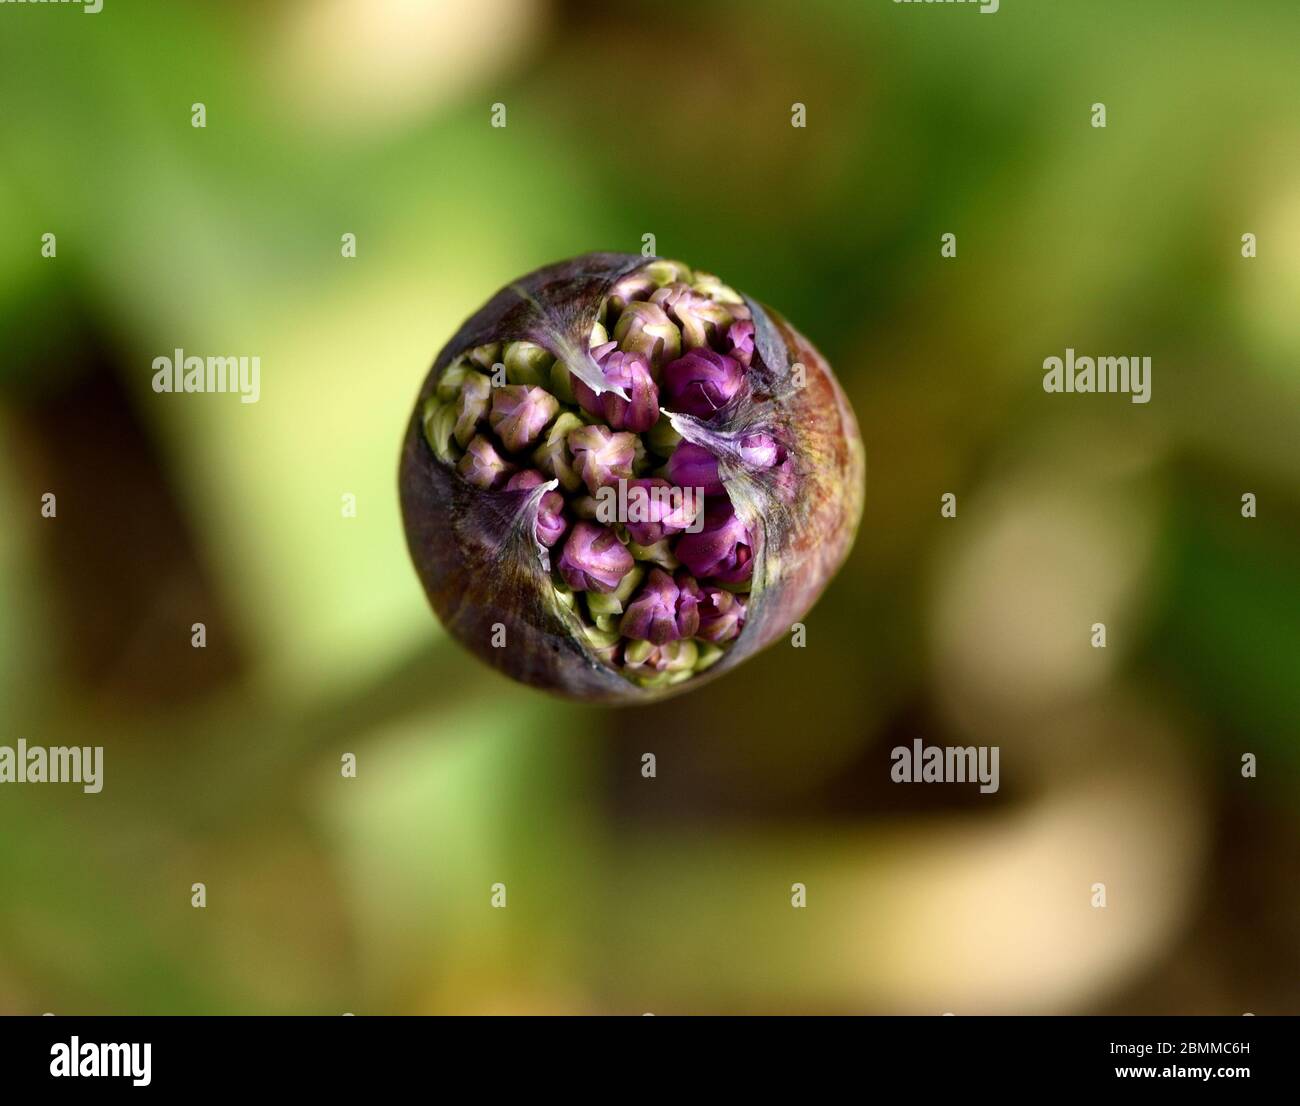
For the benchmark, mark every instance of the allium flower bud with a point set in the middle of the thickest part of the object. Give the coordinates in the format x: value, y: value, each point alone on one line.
x: 663, y: 438
x: 611, y: 603
x: 603, y: 643
x: 737, y: 570
x: 602, y: 456
x: 601, y: 350
x: 644, y: 328
x: 660, y: 553
x: 486, y: 356
x: 662, y: 271
x: 553, y: 455
x: 702, y: 382
x: 654, y: 666
x: 708, y: 654
x: 739, y: 341
x: 657, y: 509
x: 663, y: 610
x: 628, y: 371
x: 693, y: 466
x: 482, y: 466
x: 701, y: 319
x: 641, y: 658
x: 635, y: 287
x: 722, y: 615
x: 721, y: 549
x: 760, y: 451
x: 706, y: 284
x: 471, y: 406
x: 451, y: 381
x: 527, y: 363
x: 551, y: 520
x: 439, y: 422
x: 520, y: 414
x: 693, y: 386
x: 640, y: 411
x: 594, y: 559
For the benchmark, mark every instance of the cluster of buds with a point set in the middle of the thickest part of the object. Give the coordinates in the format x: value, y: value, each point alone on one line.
x: 636, y: 375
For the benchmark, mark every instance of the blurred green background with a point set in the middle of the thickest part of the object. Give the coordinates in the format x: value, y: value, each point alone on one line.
x: 371, y: 895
